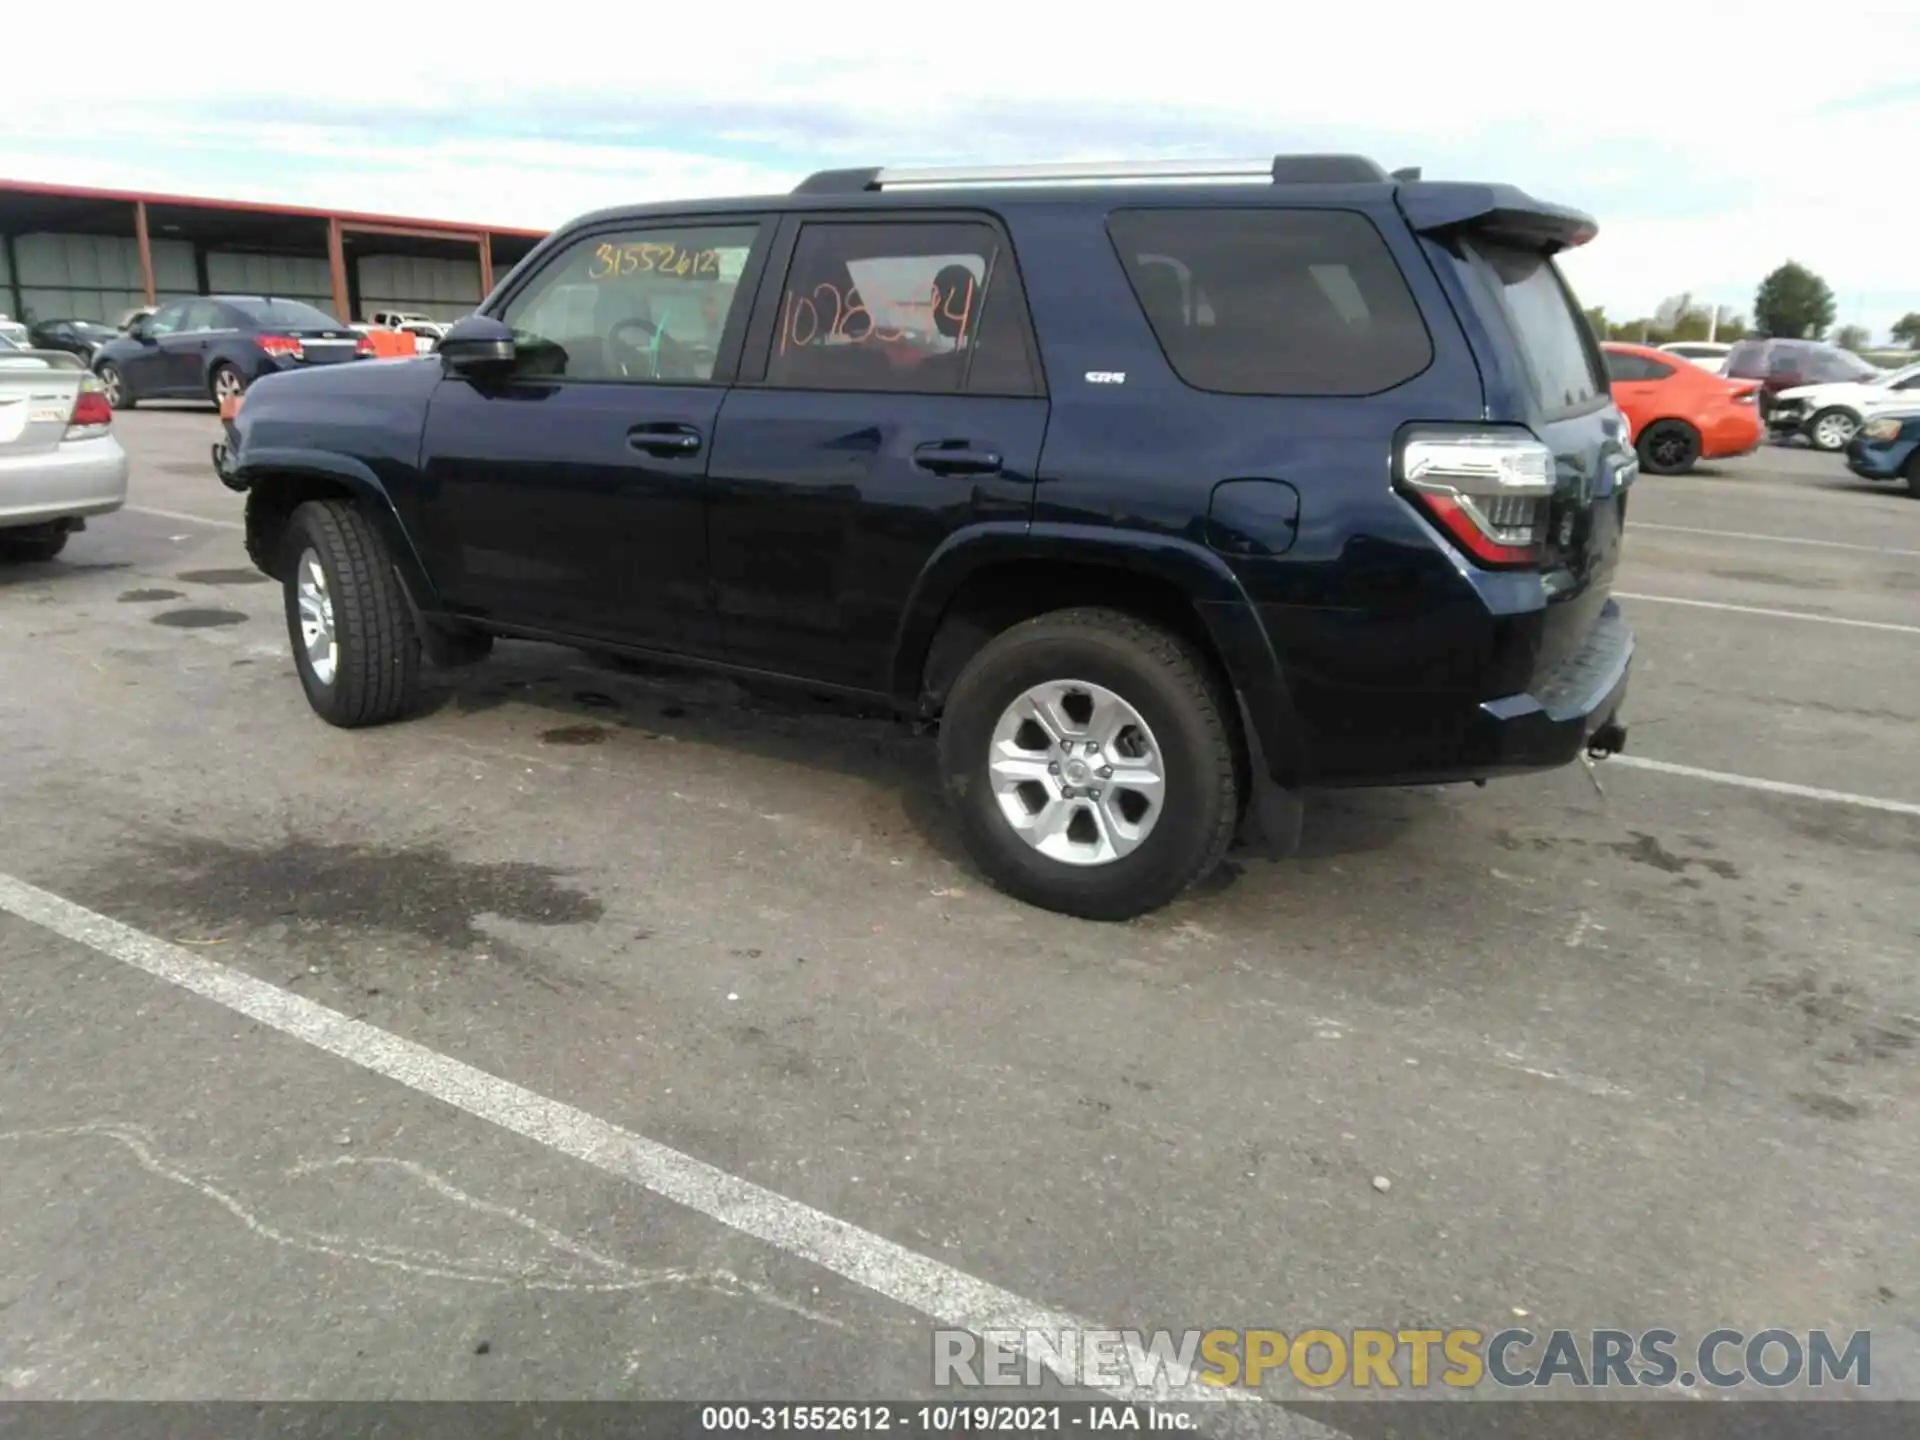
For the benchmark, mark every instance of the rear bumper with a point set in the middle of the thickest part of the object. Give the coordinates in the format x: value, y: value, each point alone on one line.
x: 1735, y: 431
x: 81, y: 477
x: 1429, y: 738
x: 1554, y: 724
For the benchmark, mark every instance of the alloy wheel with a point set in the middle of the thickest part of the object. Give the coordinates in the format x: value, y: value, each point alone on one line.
x: 1076, y: 772
x: 316, y: 618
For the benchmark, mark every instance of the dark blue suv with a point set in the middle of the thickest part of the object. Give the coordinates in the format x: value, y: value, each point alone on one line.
x: 1164, y: 492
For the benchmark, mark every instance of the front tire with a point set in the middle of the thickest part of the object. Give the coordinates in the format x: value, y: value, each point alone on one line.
x: 1092, y: 761
x: 33, y: 543
x: 1831, y: 429
x: 353, y: 634
x: 1668, y: 447
x: 115, y: 384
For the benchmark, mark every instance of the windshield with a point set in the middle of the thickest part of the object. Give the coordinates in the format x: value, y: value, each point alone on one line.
x: 293, y: 314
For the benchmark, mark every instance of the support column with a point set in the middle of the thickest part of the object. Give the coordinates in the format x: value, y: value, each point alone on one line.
x: 337, y: 261
x: 13, y: 278
x: 486, y: 264
x: 200, y: 278
x: 145, y: 243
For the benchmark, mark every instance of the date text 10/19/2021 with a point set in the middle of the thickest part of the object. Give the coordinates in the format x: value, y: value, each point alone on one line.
x: 944, y: 1419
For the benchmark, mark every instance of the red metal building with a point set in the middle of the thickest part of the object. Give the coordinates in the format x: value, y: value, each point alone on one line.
x: 69, y: 252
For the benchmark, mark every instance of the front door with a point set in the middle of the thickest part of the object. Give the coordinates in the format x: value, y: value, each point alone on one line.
x: 186, y: 349
x: 898, y: 399
x: 145, y: 371
x: 567, y: 496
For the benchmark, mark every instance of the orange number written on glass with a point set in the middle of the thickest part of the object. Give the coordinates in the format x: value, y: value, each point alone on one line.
x: 804, y: 319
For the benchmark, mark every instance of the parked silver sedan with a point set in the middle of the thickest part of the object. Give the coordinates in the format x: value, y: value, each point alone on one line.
x: 59, y: 461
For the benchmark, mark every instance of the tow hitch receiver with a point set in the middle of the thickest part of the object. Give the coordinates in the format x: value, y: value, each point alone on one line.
x: 1609, y: 739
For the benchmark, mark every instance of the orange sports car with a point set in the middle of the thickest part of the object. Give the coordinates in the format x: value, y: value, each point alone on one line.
x: 1679, y: 411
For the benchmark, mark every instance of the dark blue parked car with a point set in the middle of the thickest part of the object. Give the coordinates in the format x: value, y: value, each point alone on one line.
x: 1162, y: 502
x: 1887, y: 447
x: 215, y: 346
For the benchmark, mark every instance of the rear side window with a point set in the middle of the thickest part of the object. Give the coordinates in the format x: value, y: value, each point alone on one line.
x: 932, y: 307
x: 1273, y: 302
x: 1553, y: 334
x: 1621, y: 365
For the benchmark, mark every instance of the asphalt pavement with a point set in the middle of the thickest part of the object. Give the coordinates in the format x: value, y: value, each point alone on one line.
x: 768, y: 1076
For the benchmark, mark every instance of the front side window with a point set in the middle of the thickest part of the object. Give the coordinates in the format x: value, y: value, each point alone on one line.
x: 166, y: 319
x: 1273, y: 302
x: 917, y: 307
x: 201, y: 315
x: 637, y: 305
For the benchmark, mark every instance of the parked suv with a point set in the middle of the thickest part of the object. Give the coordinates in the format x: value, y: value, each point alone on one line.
x: 215, y: 346
x: 1161, y: 501
x: 1787, y: 365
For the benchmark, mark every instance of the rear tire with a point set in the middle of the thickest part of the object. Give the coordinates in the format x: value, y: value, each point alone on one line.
x: 1182, y: 725
x: 352, y: 630
x: 1668, y: 447
x: 33, y: 543
x: 1831, y: 429
x: 223, y: 381
x: 115, y: 384
x: 1912, y: 472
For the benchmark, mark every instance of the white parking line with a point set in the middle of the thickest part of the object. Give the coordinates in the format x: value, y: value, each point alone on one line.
x: 186, y: 515
x: 1773, y: 539
x: 1775, y: 787
x: 1775, y: 614
x: 934, y: 1289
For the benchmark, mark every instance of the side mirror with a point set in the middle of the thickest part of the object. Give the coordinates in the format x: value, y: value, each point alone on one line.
x: 476, y: 345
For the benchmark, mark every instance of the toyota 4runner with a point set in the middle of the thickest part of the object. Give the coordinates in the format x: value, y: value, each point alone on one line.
x: 1164, y: 491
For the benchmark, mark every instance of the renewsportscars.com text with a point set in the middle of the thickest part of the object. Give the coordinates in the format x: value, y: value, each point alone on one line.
x: 1415, y: 1359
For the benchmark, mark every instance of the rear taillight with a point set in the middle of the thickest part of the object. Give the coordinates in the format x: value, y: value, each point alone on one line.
x: 1490, y: 490
x: 92, y: 416
x: 365, y: 347
x: 280, y: 345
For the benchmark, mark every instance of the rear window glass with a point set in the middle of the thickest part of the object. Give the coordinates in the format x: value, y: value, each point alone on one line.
x: 291, y: 313
x: 1747, y: 360
x: 1273, y: 302
x: 1553, y: 334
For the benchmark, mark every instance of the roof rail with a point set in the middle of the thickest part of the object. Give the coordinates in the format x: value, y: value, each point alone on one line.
x: 1279, y: 170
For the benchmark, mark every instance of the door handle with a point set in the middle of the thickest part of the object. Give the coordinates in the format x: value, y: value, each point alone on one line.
x: 666, y: 441
x: 956, y: 457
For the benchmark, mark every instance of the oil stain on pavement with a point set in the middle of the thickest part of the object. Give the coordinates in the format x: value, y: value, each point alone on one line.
x: 198, y: 619
x: 421, y: 890
x: 138, y: 597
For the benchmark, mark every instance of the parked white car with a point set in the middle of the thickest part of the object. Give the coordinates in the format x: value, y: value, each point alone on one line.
x: 59, y: 462
x: 1707, y: 354
x: 1829, y: 414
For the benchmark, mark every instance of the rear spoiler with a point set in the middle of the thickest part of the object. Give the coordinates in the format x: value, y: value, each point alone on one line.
x: 1443, y: 207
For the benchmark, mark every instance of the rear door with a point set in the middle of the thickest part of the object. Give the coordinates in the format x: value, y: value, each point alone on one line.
x: 567, y: 496
x: 1562, y: 395
x: 891, y: 396
x: 188, y: 349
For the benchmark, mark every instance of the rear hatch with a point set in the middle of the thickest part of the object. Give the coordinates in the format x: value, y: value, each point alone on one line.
x: 37, y: 391
x: 1543, y: 375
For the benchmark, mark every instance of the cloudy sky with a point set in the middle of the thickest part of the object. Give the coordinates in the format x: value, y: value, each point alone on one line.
x: 1712, y: 141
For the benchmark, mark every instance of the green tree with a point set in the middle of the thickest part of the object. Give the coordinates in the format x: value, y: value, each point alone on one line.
x: 1597, y: 322
x: 1852, y: 337
x: 1906, y: 330
x: 1732, y: 327
x: 1793, y: 303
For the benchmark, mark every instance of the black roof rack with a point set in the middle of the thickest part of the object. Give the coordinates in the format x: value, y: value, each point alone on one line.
x: 1278, y: 170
